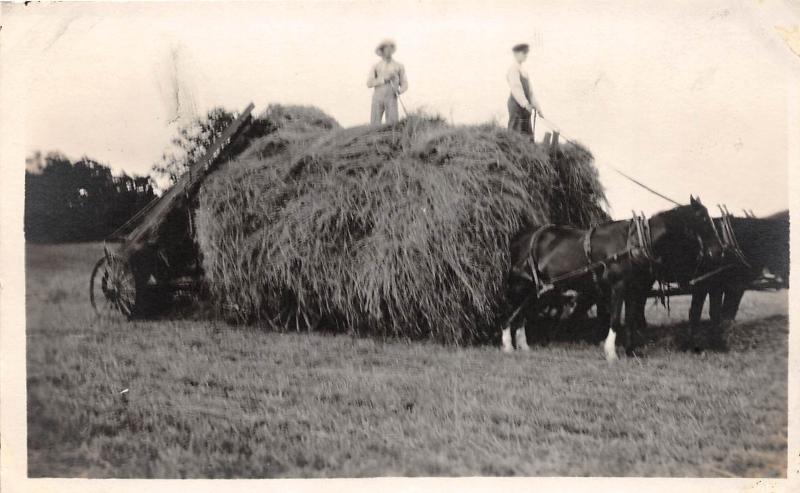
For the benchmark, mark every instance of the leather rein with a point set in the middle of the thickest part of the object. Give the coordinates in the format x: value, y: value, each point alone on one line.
x: 643, y: 250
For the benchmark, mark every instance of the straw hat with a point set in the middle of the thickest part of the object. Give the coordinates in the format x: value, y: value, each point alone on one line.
x: 383, y: 44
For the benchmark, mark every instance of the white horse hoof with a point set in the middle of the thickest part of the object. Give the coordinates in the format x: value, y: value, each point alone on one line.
x: 610, y: 346
x: 522, y: 340
x: 506, y: 340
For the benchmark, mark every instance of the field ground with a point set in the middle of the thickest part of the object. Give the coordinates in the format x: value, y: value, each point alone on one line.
x: 210, y: 400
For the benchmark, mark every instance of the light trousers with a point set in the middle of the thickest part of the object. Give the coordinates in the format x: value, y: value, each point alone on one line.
x: 384, y: 101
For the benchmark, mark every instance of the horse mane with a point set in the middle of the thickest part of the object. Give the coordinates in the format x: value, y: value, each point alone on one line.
x: 679, y: 249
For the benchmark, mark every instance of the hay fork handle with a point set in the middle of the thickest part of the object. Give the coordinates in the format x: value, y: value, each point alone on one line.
x: 396, y: 90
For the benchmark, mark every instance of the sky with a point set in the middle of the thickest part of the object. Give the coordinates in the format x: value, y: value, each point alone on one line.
x: 688, y: 97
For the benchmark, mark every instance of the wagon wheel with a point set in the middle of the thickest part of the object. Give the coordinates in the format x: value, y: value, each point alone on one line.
x: 112, y: 287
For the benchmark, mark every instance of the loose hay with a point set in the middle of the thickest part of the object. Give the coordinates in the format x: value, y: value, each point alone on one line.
x: 398, y: 230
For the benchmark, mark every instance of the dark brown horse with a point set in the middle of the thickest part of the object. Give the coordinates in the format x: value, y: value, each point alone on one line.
x: 756, y: 245
x: 611, y: 264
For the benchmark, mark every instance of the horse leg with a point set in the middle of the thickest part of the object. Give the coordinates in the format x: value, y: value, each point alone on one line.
x: 631, y: 322
x: 507, y: 347
x: 699, y: 294
x: 730, y: 307
x: 714, y: 312
x: 603, y: 311
x: 642, y: 321
x: 732, y: 298
x: 634, y: 314
x: 553, y: 322
x: 641, y: 295
x: 513, y: 327
x: 515, y: 296
x: 514, y: 331
x: 615, y: 309
x: 527, y: 314
x: 715, y: 305
x: 521, y: 337
x: 696, y: 309
x: 578, y: 319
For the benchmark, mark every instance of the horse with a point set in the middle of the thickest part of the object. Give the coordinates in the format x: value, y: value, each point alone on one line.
x: 608, y: 265
x: 751, y: 246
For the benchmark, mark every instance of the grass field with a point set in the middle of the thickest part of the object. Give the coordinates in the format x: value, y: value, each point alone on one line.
x: 210, y: 400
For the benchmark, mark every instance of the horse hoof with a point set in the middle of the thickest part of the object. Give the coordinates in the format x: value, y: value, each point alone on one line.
x: 507, y: 350
x: 525, y: 348
x: 611, y: 354
x: 610, y: 347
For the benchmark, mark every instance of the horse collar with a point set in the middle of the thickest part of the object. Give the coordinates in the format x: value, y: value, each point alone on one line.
x: 532, y: 263
x: 728, y: 240
x: 644, y: 239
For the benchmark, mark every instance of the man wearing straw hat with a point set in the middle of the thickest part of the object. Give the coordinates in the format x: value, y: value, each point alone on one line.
x: 521, y: 102
x: 388, y: 77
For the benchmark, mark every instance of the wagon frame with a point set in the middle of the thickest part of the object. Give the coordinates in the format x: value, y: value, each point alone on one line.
x: 151, y: 256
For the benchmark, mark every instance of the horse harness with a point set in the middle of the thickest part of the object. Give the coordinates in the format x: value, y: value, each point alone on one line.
x: 728, y: 237
x: 639, y: 248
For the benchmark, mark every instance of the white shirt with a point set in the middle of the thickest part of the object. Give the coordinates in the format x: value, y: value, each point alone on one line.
x: 513, y: 76
x: 389, y: 73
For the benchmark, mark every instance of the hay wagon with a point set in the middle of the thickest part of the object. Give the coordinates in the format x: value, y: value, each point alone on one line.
x: 153, y: 256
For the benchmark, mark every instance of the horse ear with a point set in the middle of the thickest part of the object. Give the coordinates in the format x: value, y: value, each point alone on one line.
x: 691, y: 199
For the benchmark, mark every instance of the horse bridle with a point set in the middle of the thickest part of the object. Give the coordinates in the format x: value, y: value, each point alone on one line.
x: 704, y: 254
x: 727, y: 241
x: 645, y: 249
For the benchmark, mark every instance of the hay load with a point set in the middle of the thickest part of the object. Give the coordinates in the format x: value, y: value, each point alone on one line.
x: 393, y: 231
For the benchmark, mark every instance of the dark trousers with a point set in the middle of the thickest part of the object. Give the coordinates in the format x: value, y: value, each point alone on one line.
x: 519, y: 118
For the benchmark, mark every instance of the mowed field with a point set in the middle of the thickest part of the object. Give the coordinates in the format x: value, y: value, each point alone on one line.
x: 206, y: 399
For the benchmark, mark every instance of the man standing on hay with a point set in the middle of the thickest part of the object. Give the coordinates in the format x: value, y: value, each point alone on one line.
x: 388, y: 77
x: 521, y: 102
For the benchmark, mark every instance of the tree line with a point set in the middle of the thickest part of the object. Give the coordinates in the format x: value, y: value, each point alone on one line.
x: 78, y: 201
x: 71, y: 201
